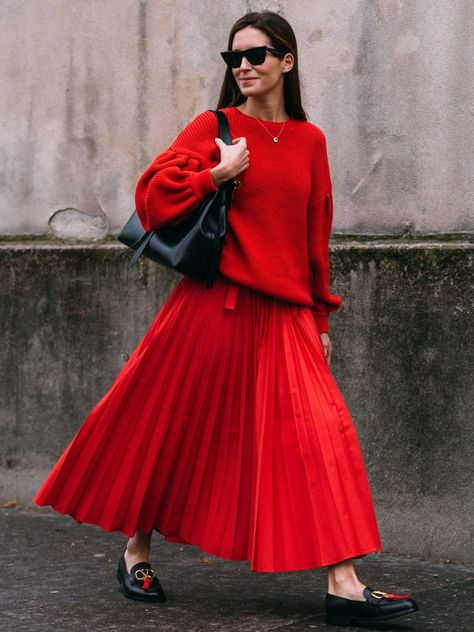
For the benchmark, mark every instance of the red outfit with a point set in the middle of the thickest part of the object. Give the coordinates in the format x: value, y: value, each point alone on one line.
x: 225, y: 428
x: 281, y: 216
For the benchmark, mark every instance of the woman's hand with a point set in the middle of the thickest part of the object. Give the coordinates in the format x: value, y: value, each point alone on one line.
x: 327, y: 346
x: 234, y: 159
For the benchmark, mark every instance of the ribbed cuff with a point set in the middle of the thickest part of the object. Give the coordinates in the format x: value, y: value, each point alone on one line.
x: 322, y: 322
x: 203, y: 183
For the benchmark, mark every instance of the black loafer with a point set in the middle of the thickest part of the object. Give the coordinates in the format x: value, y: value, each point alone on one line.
x: 140, y: 584
x: 378, y: 606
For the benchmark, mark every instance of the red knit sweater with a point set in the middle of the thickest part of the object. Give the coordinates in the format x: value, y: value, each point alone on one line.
x: 280, y: 219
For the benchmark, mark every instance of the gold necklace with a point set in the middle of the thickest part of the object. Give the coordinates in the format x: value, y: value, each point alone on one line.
x: 275, y: 138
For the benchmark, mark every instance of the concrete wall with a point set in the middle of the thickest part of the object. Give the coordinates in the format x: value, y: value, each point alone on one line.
x: 403, y: 359
x: 93, y: 90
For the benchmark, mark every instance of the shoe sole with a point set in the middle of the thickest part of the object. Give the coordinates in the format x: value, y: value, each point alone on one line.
x: 138, y: 597
x: 337, y: 620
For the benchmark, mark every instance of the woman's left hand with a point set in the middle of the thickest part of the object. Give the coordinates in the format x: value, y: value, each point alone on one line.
x: 327, y: 346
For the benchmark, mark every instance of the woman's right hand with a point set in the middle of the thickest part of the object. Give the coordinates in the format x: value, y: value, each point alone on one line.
x: 234, y: 159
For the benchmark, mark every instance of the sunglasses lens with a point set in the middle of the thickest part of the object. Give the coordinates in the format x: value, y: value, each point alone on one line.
x: 230, y: 58
x: 256, y: 56
x: 236, y: 59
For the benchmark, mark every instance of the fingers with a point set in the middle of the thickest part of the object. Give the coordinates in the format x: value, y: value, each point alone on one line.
x: 239, y: 139
x: 236, y: 157
x: 328, y: 353
x: 327, y: 347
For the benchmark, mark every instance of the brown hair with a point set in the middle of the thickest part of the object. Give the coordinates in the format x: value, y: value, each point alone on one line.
x: 282, y: 37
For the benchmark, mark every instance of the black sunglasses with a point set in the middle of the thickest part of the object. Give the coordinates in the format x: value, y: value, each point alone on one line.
x: 255, y: 56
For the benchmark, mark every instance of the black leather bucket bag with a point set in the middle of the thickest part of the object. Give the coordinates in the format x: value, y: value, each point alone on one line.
x: 193, y: 246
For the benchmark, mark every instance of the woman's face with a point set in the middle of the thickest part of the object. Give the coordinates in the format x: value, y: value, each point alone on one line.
x: 262, y: 78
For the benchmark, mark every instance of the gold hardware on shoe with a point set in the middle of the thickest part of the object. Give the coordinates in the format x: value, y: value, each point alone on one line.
x: 378, y: 594
x: 146, y: 573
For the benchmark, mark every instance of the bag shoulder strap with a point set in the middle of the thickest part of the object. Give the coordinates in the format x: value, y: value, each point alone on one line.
x: 224, y: 129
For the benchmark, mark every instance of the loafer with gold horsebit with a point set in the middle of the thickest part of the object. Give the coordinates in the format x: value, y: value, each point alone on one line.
x: 378, y: 606
x: 141, y: 583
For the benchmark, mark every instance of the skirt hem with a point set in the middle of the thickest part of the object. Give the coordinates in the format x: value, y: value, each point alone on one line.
x: 309, y: 566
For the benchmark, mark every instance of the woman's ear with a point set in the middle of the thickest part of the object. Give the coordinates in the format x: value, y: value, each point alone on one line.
x: 288, y: 62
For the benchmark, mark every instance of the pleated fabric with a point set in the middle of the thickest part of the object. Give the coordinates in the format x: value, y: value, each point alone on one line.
x: 224, y: 429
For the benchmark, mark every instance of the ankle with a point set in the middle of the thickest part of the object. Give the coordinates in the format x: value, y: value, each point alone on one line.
x: 349, y: 586
x: 134, y: 550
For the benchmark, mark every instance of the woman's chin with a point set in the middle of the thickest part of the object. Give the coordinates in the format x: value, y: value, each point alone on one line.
x: 249, y: 92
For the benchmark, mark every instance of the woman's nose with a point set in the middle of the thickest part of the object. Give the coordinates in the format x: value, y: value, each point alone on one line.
x: 245, y: 63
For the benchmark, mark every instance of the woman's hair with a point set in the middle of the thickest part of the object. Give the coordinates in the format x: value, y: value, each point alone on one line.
x: 283, y: 38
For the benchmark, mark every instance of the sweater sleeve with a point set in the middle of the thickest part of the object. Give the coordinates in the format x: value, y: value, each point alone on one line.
x: 320, y: 223
x: 176, y: 182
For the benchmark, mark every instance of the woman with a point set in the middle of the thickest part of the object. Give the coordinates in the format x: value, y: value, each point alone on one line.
x: 225, y: 428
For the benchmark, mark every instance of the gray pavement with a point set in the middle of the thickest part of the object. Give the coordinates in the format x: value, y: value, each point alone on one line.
x: 59, y: 575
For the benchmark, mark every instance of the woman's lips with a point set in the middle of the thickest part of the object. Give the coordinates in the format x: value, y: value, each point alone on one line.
x: 249, y: 79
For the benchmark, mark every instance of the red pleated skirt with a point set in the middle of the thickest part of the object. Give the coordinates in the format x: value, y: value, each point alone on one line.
x: 224, y: 429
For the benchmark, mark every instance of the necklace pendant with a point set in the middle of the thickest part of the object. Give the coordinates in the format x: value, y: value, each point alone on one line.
x: 275, y: 139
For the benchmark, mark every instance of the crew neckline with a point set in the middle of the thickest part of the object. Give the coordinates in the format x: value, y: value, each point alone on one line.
x: 254, y: 118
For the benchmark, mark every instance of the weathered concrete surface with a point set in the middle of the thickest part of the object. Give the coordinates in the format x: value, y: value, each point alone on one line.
x: 96, y: 89
x: 59, y: 575
x: 402, y: 356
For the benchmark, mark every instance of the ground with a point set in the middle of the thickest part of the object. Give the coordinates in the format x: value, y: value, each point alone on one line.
x: 59, y: 576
